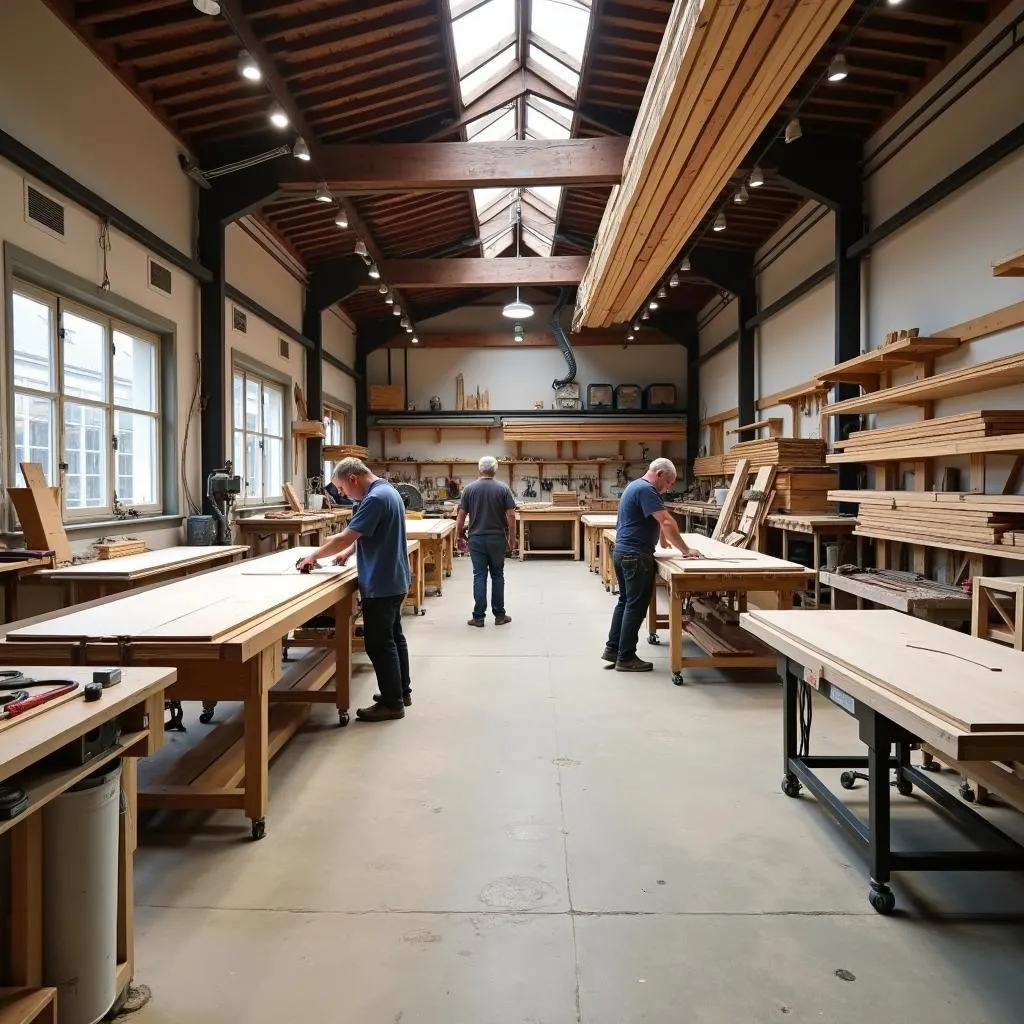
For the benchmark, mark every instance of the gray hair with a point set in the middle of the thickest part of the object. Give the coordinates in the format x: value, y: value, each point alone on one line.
x: 350, y: 467
x: 488, y: 464
x: 663, y: 466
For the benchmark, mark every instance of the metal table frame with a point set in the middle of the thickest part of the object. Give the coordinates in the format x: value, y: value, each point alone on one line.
x: 889, y: 747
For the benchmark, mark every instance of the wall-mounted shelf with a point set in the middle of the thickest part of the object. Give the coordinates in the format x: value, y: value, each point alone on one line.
x: 866, y: 370
x: 1009, y: 266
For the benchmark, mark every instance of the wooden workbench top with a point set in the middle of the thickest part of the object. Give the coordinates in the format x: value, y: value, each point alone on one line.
x: 808, y: 521
x: 605, y: 519
x: 426, y: 528
x: 148, y: 563
x: 939, y: 684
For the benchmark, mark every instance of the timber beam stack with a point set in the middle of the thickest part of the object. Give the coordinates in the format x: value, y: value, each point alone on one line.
x: 781, y: 452
x: 722, y: 72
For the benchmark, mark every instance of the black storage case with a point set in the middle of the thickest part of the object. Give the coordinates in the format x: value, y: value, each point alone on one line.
x: 629, y: 397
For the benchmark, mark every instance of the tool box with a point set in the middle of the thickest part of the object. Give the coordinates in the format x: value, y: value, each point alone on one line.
x: 629, y: 396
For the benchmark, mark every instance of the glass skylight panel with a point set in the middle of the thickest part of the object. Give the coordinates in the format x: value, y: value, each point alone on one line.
x: 563, y: 23
x: 553, y: 110
x: 542, y: 126
x: 475, y: 80
x: 537, y: 241
x: 483, y: 28
x: 500, y: 130
x: 498, y: 243
x: 485, y: 198
x: 550, y: 194
x: 561, y: 76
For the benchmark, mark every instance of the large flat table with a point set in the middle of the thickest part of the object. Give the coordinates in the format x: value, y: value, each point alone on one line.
x: 594, y: 525
x: 223, y: 632
x: 906, y: 681
x: 437, y: 546
x: 136, y: 705
x: 716, y: 587
x: 570, y: 516
x: 89, y: 580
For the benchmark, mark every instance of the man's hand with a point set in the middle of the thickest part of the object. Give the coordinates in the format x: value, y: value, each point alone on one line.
x: 690, y: 553
x: 344, y: 556
x: 307, y: 564
x: 662, y: 542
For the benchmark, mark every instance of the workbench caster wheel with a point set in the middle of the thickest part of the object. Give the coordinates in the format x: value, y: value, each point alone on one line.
x: 422, y: 611
x: 343, y: 719
x: 607, y: 589
x: 848, y: 780
x: 448, y: 573
x: 931, y: 766
x: 677, y: 678
x: 904, y: 786
x: 206, y: 716
x: 652, y: 638
x: 259, y: 828
x: 965, y: 791
x: 791, y: 785
x: 882, y: 898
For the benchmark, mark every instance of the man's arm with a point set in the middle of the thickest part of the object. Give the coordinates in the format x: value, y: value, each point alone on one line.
x: 340, y: 543
x: 670, y: 529
x: 510, y: 527
x: 460, y: 526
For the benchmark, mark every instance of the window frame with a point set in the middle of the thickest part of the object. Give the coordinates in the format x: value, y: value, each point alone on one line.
x: 340, y: 413
x: 266, y: 378
x: 59, y: 304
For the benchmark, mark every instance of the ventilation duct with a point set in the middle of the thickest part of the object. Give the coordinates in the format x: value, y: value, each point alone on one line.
x: 563, y: 342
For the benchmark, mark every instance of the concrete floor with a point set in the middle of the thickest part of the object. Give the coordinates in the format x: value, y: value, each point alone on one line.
x: 542, y: 842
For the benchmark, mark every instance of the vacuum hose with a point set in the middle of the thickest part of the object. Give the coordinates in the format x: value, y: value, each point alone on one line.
x: 563, y: 342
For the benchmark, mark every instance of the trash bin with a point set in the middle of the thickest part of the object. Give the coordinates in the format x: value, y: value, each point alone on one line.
x: 80, y: 855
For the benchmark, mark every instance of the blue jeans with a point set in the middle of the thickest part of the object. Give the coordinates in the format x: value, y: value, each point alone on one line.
x: 487, y: 552
x: 635, y: 574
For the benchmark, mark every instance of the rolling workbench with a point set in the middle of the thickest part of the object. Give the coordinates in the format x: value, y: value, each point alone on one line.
x: 223, y: 632
x: 594, y: 525
x: 90, y: 580
x: 569, y: 515
x: 907, y: 682
x: 437, y: 547
x: 136, y: 703
x: 716, y: 587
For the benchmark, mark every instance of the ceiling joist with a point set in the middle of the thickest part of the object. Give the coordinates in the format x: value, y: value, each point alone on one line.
x: 484, y: 273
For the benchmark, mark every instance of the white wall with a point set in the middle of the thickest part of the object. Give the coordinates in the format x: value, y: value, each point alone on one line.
x: 340, y: 341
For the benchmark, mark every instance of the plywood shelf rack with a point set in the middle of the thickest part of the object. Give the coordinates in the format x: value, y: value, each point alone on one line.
x: 868, y: 369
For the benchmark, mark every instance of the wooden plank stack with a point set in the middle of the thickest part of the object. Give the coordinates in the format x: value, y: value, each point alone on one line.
x: 804, y: 491
x: 337, y: 452
x: 709, y: 465
x: 636, y: 431
x: 120, y: 548
x: 723, y: 70
x: 781, y: 452
x: 565, y: 499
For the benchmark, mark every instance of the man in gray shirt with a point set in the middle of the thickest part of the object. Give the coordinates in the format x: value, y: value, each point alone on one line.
x: 491, y: 509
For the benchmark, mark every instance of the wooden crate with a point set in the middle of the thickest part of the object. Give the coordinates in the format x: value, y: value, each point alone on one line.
x: 387, y: 398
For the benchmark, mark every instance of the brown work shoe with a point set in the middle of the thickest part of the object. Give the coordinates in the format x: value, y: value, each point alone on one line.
x: 610, y: 654
x: 476, y: 622
x: 501, y: 620
x: 634, y: 664
x: 406, y: 700
x: 380, y: 713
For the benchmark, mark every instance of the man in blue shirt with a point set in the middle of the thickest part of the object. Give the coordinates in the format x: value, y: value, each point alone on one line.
x: 378, y: 528
x: 642, y: 520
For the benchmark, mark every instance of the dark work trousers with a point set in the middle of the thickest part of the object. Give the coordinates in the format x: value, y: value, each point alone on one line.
x: 386, y: 647
x: 487, y: 552
x: 635, y: 574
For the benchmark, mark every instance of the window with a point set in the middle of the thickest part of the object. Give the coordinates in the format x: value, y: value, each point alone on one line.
x: 336, y: 426
x: 258, y: 420
x: 86, y: 404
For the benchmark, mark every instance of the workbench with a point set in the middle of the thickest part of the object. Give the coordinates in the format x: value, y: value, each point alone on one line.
x: 705, y: 513
x: 902, y: 592
x: 136, y: 702
x: 819, y: 527
x: 729, y: 574
x: 223, y: 632
x: 10, y: 575
x: 89, y: 580
x: 284, y: 532
x: 594, y: 525
x: 906, y: 681
x: 570, y: 516
x: 437, y: 547
x: 1003, y: 595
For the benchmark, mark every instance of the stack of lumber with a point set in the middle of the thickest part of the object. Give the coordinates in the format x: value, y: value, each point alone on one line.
x: 638, y: 431
x: 722, y: 71
x: 565, y: 499
x: 709, y: 465
x: 781, y: 452
x: 929, y: 438
x: 938, y: 518
x: 337, y: 452
x: 804, y: 491
x: 120, y: 548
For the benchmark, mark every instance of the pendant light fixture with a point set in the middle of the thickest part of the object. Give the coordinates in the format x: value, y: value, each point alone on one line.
x: 673, y: 281
x: 756, y: 176
x: 247, y: 67
x: 838, y: 69
x: 211, y: 7
x: 719, y: 224
x: 341, y: 219
x: 278, y: 118
x: 323, y: 193
x: 685, y: 265
x: 518, y: 310
x: 793, y: 130
x: 301, y: 151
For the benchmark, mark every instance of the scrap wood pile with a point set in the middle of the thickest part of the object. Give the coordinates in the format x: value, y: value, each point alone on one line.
x: 956, y: 517
x: 337, y: 452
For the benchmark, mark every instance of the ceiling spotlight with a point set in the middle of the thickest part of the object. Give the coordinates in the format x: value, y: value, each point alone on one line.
x: 360, y: 249
x: 645, y: 315
x: 685, y: 265
x: 404, y: 322
x: 636, y: 325
x: 653, y: 304
x: 210, y: 7
x: 673, y: 281
x: 518, y: 334
x: 389, y: 299
x: 892, y: 3
x: 278, y: 118
x: 414, y: 340
x: 742, y: 196
x: 383, y: 289
x: 719, y: 224
x: 300, y: 150
x: 793, y: 130
x: 247, y: 67
x: 323, y: 193
x: 374, y: 272
x: 838, y: 69
x: 662, y: 294
x: 408, y: 330
x: 396, y: 309
x: 341, y: 218
x: 756, y: 177
x: 630, y: 336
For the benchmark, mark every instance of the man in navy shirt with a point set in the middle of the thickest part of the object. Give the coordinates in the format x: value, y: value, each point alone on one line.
x: 642, y: 520
x: 378, y: 528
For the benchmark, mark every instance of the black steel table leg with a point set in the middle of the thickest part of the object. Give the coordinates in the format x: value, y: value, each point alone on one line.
x: 790, y: 685
x: 879, y: 741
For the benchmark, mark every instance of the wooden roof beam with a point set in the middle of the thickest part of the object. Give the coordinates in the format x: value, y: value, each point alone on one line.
x: 404, y: 167
x: 484, y: 273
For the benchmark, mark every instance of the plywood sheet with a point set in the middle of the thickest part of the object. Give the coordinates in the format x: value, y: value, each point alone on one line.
x: 143, y: 564
x: 973, y: 684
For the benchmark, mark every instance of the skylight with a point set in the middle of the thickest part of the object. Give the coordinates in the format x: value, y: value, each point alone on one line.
x: 489, y: 44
